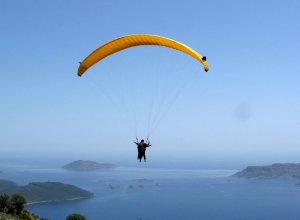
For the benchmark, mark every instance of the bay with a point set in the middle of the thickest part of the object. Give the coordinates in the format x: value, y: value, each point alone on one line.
x: 176, y: 194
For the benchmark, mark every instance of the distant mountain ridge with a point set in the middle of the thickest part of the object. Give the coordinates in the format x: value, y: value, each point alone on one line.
x: 277, y: 170
x: 83, y: 165
x: 44, y: 191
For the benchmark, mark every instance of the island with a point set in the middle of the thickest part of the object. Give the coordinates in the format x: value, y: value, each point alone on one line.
x: 86, y: 165
x: 136, y: 186
x: 36, y: 192
x: 113, y: 187
x: 142, y: 180
x: 277, y: 170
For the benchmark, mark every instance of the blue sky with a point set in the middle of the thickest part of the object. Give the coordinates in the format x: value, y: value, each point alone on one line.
x: 245, y: 109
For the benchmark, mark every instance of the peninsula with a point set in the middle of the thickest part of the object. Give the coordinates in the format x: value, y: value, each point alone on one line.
x: 277, y: 170
x: 44, y: 191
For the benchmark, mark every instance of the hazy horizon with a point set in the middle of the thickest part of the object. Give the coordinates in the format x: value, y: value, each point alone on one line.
x: 244, y: 111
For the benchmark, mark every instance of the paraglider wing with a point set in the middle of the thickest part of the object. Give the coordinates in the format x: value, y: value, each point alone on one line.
x: 136, y: 40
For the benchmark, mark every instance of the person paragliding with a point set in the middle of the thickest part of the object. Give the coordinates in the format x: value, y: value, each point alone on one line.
x: 133, y: 40
x: 141, y: 146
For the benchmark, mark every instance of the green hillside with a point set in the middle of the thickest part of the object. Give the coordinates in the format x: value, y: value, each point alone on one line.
x: 44, y: 191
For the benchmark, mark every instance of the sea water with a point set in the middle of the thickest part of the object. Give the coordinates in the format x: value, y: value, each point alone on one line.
x: 165, y: 194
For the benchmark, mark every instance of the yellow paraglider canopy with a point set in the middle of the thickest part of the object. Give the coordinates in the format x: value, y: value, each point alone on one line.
x: 132, y: 40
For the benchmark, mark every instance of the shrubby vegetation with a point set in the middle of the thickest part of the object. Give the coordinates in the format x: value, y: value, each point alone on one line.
x: 76, y: 217
x: 12, y: 207
x: 3, y: 202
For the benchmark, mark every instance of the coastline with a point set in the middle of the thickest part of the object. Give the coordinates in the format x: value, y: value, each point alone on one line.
x: 58, y: 200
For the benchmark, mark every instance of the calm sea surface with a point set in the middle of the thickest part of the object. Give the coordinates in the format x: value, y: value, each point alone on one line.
x: 161, y: 194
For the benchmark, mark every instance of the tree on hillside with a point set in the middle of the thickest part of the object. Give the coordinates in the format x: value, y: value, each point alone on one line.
x: 15, y: 204
x: 76, y: 217
x: 3, y: 202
